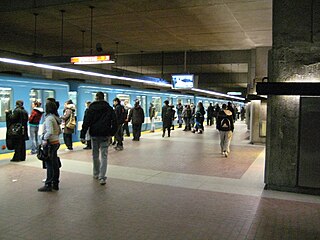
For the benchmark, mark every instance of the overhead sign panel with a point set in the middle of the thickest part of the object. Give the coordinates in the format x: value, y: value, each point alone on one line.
x: 92, y: 59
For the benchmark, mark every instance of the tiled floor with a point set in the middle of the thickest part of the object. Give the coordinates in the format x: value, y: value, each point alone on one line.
x: 158, y: 188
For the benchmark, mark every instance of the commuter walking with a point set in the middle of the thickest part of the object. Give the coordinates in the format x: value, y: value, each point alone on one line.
x: 102, y: 124
x: 179, y: 108
x: 121, y: 117
x: 88, y: 137
x: 68, y: 123
x: 166, y: 118
x: 50, y: 142
x: 127, y: 108
x: 152, y: 115
x: 34, y: 121
x: 17, y: 131
x: 199, y: 119
x: 136, y: 115
x: 210, y: 112
x: 225, y: 126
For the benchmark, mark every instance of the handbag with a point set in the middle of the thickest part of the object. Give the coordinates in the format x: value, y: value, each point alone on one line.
x: 42, y: 154
x: 71, y: 122
x: 16, y: 129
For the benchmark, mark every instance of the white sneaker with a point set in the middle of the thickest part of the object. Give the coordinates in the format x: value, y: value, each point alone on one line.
x: 226, y: 154
x: 102, y: 181
x: 222, y: 153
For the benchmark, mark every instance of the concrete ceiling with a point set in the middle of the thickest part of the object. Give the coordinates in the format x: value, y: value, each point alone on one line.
x: 140, y: 25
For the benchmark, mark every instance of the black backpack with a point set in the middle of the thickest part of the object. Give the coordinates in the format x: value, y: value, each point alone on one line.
x: 225, y: 124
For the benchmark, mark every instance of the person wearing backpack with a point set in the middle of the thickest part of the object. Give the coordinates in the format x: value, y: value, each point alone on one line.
x: 225, y: 126
x: 121, y: 117
x: 102, y: 124
x: 166, y: 118
x: 67, y: 118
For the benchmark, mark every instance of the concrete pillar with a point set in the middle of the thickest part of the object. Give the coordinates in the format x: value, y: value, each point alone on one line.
x: 296, y: 44
x: 258, y: 110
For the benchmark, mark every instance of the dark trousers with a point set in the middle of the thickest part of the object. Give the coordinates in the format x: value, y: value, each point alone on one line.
x: 67, y: 138
x: 136, y: 130
x: 53, y: 171
x: 119, y: 135
x: 209, y: 121
x: 19, y: 149
x: 126, y: 129
x: 164, y: 131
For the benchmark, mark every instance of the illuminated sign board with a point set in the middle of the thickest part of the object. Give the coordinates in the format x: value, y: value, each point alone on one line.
x: 182, y: 81
x: 92, y: 59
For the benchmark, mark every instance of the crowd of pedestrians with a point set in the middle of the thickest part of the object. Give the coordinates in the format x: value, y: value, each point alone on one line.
x: 101, y: 122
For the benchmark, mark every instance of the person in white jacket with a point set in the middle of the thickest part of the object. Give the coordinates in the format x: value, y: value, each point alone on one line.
x: 50, y: 142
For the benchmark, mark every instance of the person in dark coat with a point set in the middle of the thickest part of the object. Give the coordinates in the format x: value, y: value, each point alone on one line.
x: 225, y: 126
x: 166, y: 118
x: 179, y: 108
x: 87, y: 138
x: 210, y: 112
x: 101, y: 122
x: 120, y: 115
x: 199, y: 118
x: 18, y: 115
x: 136, y: 115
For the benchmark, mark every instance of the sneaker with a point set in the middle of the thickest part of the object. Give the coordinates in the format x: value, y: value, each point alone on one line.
x: 102, y: 181
x: 95, y: 177
x: 55, y: 187
x: 45, y: 188
x: 226, y: 154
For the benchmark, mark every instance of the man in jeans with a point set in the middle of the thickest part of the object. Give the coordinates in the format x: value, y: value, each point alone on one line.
x: 102, y: 124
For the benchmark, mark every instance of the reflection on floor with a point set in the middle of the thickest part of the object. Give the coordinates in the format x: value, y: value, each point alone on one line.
x: 159, y: 188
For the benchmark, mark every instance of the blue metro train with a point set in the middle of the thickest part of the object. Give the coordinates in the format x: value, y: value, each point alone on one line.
x: 28, y: 89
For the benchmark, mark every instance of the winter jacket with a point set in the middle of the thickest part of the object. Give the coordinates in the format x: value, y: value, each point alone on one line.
x: 228, y: 115
x: 166, y: 116
x: 152, y: 112
x: 120, y: 113
x: 136, y: 115
x: 51, y: 128
x: 19, y: 115
x: 200, y: 114
x: 69, y: 109
x: 179, y: 108
x: 100, y: 119
x: 35, y: 116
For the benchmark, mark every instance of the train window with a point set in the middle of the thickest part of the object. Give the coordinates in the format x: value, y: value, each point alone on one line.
x: 40, y: 95
x: 180, y: 100
x: 123, y: 98
x: 73, y: 97
x: 157, y: 104
x: 94, y: 96
x: 5, y: 96
x: 143, y: 102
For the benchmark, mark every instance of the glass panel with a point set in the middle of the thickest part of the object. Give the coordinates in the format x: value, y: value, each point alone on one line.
x: 123, y: 98
x: 94, y: 96
x: 157, y: 104
x: 143, y: 103
x: 5, y: 96
x: 40, y: 96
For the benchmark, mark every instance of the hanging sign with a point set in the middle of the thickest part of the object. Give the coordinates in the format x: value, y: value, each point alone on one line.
x: 92, y: 59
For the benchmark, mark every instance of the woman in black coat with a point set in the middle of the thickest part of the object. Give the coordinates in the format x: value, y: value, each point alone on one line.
x: 166, y: 118
x: 18, y: 115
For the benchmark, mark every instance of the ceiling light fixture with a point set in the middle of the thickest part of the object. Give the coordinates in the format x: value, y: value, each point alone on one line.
x: 88, y: 73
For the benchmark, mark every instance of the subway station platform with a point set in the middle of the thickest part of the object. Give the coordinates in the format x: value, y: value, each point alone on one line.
x: 158, y: 188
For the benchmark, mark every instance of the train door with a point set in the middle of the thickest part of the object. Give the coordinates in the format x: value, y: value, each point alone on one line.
x: 157, y: 104
x: 40, y: 95
x: 143, y: 103
x: 5, y: 104
x: 73, y: 97
x: 124, y: 98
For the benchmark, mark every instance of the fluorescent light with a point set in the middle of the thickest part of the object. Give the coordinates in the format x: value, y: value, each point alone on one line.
x: 217, y: 94
x: 234, y: 93
x: 88, y: 73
